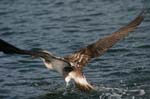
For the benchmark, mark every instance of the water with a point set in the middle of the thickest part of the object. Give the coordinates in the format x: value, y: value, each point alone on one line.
x: 63, y: 27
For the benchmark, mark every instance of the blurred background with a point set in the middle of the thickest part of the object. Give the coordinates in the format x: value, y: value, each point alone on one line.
x: 64, y: 26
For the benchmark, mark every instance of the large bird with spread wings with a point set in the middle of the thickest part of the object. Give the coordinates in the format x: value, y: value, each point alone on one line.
x: 70, y: 66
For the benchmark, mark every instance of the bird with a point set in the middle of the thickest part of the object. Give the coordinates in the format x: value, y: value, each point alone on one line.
x: 70, y: 67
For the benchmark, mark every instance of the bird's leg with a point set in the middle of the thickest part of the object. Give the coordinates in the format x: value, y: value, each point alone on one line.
x: 67, y: 85
x: 67, y: 80
x: 66, y: 88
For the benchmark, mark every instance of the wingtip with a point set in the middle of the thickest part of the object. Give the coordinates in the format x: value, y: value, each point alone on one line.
x: 144, y: 10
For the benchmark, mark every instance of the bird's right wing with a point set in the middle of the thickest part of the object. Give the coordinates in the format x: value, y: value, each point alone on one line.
x: 84, y: 55
x: 7, y: 48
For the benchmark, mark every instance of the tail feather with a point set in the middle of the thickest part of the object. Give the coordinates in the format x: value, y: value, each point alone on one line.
x: 80, y: 81
x: 83, y: 85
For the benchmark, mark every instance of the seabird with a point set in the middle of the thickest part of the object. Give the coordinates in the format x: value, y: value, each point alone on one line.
x: 70, y: 67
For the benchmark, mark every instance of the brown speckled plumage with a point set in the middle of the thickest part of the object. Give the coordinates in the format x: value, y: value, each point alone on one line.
x: 84, y: 55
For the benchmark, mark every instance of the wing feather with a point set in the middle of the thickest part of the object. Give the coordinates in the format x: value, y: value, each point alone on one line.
x: 7, y: 48
x: 84, y: 55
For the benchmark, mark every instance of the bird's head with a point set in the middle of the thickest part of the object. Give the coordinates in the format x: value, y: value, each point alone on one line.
x: 67, y: 70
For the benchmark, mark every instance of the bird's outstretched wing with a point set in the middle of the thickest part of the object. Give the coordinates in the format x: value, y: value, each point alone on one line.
x: 84, y: 55
x: 7, y: 48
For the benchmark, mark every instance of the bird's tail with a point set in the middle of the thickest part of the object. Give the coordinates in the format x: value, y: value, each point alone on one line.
x: 80, y: 81
x: 83, y: 85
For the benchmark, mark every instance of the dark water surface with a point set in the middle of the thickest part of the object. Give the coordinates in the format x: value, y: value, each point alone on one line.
x: 62, y: 27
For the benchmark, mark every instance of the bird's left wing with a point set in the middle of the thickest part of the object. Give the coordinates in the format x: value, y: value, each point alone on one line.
x: 83, y: 56
x: 7, y: 48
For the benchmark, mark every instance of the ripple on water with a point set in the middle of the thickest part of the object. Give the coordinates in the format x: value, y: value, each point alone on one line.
x: 144, y: 47
x: 64, y: 26
x: 99, y: 93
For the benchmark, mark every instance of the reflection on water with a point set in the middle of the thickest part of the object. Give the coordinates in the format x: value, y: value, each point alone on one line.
x: 63, y: 27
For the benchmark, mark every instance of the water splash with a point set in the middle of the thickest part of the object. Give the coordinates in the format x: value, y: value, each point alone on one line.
x: 118, y: 93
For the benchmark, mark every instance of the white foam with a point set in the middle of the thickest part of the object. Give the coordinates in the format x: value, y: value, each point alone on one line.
x: 118, y: 93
